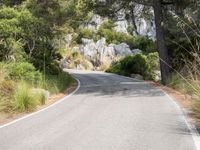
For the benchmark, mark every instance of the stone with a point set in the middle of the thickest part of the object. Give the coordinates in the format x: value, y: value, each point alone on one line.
x: 110, y: 51
x: 68, y: 39
x: 95, y: 22
x: 122, y: 49
x: 75, y: 48
x: 42, y: 91
x: 64, y: 63
x: 101, y: 46
x: 157, y: 75
x: 137, y: 76
x: 136, y: 51
x: 88, y: 49
x: 121, y: 26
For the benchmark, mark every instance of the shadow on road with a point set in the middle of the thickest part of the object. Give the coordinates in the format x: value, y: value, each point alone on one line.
x: 114, y: 85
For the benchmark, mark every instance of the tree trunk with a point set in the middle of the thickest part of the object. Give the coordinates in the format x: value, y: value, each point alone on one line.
x: 163, y: 52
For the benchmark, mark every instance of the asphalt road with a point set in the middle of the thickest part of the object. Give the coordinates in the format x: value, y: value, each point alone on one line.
x: 108, y: 112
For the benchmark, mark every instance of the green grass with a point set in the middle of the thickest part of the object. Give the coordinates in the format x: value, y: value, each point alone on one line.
x: 24, y: 95
x: 24, y: 99
x: 58, y: 83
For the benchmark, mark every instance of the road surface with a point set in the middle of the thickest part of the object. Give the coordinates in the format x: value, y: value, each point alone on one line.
x: 108, y: 112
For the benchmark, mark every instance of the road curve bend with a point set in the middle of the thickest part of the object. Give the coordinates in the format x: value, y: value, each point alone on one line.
x: 108, y: 112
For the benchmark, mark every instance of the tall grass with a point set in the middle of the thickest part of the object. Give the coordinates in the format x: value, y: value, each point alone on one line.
x: 187, y: 79
x: 20, y: 95
x: 57, y: 83
x: 24, y: 99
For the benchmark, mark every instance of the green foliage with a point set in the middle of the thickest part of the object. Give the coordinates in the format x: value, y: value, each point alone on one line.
x: 22, y: 71
x: 117, y: 69
x: 18, y: 82
x: 135, y: 42
x: 58, y: 83
x: 130, y: 29
x: 153, y: 60
x: 84, y: 33
x: 145, y: 44
x: 109, y: 24
x: 24, y: 99
x: 137, y: 64
x: 75, y: 55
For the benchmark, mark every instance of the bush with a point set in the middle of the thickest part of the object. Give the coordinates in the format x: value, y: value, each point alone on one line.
x: 153, y: 61
x: 145, y: 44
x: 137, y: 64
x: 109, y: 24
x: 23, y: 71
x: 116, y: 68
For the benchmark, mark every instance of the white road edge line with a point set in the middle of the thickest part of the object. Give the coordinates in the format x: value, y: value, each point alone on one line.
x: 195, y: 134
x: 52, y: 105
x: 191, y: 127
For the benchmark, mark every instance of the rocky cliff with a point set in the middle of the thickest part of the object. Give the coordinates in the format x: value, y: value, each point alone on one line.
x: 99, y: 52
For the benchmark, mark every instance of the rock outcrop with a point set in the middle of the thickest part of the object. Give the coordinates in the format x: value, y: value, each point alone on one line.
x: 100, y: 53
x: 143, y: 25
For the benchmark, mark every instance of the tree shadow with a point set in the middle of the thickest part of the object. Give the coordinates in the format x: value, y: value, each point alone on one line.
x: 100, y: 84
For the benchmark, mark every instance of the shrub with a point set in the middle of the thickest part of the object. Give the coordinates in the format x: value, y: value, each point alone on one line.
x: 109, y: 24
x: 24, y: 99
x: 145, y: 44
x: 75, y: 55
x: 136, y: 64
x: 130, y: 29
x: 116, y: 68
x: 23, y: 71
x: 153, y: 61
x: 84, y: 33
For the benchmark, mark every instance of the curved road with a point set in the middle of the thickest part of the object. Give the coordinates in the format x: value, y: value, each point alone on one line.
x: 108, y: 112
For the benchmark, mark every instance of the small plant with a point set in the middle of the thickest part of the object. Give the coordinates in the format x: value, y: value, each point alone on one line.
x: 84, y: 33
x: 130, y: 29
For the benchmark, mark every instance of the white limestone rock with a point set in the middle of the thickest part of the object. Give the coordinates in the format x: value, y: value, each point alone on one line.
x: 136, y: 51
x: 122, y: 49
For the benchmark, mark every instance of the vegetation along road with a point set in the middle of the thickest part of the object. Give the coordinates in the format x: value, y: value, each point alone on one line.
x: 107, y: 112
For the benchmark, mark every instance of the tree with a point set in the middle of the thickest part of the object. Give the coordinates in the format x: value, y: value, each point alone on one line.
x: 158, y: 5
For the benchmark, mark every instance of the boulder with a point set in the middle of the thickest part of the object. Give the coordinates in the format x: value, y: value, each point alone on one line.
x: 121, y: 26
x: 137, y: 76
x: 64, y: 63
x: 94, y: 23
x: 110, y: 51
x: 88, y: 49
x: 157, y: 75
x: 42, y: 91
x: 100, y: 46
x: 122, y: 49
x: 136, y: 51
